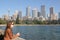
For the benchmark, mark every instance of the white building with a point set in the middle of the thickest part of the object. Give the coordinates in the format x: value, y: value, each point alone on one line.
x: 34, y: 13
x: 43, y: 13
x: 42, y: 18
x: 28, y: 11
x: 54, y: 17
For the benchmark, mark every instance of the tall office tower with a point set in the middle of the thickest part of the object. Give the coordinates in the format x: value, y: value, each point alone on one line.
x: 28, y: 11
x: 51, y: 11
x: 34, y: 13
x: 39, y: 14
x: 59, y: 15
x: 53, y: 16
x: 43, y: 13
x: 20, y: 15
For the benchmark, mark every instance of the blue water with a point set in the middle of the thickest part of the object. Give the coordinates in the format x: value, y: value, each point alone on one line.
x: 37, y: 32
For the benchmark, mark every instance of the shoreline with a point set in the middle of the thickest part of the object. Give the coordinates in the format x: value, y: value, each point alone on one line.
x: 33, y: 25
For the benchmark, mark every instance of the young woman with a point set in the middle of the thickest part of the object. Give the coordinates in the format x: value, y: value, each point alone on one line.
x: 8, y: 35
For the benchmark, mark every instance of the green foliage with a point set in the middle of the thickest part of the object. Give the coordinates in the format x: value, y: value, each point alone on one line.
x: 32, y: 21
x: 53, y: 22
x: 26, y: 22
x: 39, y: 22
x: 2, y: 21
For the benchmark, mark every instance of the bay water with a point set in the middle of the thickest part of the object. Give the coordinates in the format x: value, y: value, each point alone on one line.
x: 37, y: 32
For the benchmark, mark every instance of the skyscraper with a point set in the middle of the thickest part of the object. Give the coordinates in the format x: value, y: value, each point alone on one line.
x: 53, y: 16
x: 43, y: 11
x: 59, y: 15
x: 34, y: 13
x: 51, y: 11
x: 17, y: 14
x: 39, y: 14
x: 20, y: 15
x: 28, y: 11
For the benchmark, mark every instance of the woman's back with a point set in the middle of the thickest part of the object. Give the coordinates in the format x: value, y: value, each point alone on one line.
x: 8, y: 34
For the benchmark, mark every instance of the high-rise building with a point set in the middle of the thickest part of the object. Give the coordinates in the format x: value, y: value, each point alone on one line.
x: 28, y: 11
x: 19, y: 15
x: 43, y: 13
x: 51, y: 11
x: 34, y: 13
x: 39, y: 14
x: 53, y: 16
x: 59, y: 15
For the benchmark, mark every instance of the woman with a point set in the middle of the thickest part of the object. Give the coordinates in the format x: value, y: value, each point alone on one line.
x: 8, y: 35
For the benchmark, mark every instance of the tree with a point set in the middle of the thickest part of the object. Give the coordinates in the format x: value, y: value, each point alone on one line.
x: 2, y: 21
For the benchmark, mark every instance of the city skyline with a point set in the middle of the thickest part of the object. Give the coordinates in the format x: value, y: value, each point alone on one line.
x: 22, y: 4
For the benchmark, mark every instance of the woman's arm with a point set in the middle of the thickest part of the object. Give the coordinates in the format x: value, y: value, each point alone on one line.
x: 10, y: 33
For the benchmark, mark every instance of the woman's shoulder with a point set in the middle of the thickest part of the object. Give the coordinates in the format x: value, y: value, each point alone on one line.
x: 8, y: 30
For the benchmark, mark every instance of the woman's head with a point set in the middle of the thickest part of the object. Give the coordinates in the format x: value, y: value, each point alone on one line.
x: 10, y: 24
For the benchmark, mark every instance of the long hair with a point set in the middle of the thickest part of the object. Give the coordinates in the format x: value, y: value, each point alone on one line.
x: 8, y: 27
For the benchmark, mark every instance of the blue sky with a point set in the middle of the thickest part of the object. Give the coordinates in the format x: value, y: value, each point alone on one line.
x: 22, y: 4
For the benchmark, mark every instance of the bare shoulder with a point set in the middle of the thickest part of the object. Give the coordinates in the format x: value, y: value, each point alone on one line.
x: 8, y: 30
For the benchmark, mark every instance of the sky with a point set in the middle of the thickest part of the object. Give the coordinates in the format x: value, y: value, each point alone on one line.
x: 21, y: 5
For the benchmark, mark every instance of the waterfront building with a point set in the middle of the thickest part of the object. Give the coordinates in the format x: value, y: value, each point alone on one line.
x: 6, y: 17
x: 53, y: 16
x: 36, y: 18
x: 39, y: 14
x: 19, y: 15
x: 34, y: 13
x: 51, y: 11
x: 25, y: 18
x: 43, y: 13
x: 59, y: 15
x: 28, y: 11
x: 41, y: 18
